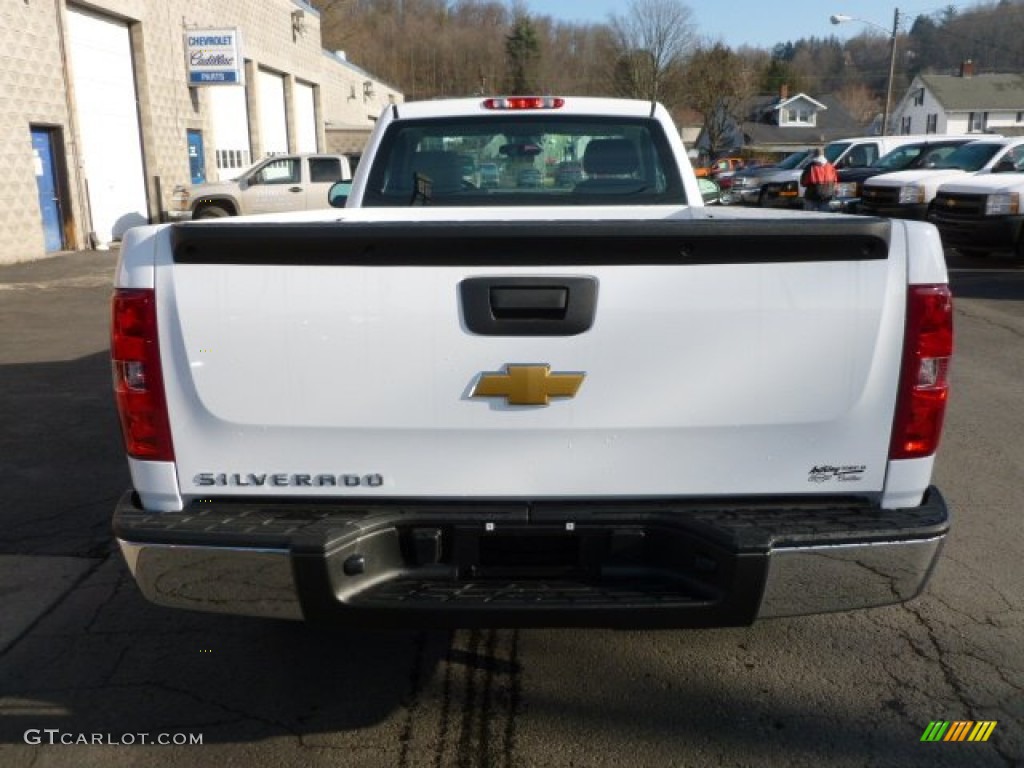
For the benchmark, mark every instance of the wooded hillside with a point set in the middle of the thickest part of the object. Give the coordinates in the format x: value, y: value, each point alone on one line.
x: 437, y: 48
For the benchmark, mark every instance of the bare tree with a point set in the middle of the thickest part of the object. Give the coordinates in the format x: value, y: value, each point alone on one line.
x: 860, y: 102
x: 719, y: 85
x: 651, y: 42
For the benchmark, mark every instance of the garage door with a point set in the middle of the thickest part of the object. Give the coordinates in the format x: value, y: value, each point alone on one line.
x: 228, y: 115
x: 273, y: 126
x: 305, y: 118
x: 108, y: 122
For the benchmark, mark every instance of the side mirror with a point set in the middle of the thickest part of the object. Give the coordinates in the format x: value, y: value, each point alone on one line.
x: 338, y: 194
x: 710, y: 191
x: 1006, y: 165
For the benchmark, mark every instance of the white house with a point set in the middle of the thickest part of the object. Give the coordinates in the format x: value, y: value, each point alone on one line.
x: 962, y: 103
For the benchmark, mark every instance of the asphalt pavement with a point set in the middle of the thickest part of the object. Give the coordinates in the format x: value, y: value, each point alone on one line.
x: 60, y: 450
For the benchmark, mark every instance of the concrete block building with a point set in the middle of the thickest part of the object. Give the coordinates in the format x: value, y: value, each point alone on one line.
x: 106, y: 107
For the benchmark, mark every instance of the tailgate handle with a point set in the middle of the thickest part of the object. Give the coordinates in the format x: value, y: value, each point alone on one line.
x: 528, y: 306
x: 529, y: 301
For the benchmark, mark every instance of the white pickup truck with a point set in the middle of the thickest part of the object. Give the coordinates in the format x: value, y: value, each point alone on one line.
x: 591, y: 405
x: 981, y: 214
x: 909, y: 194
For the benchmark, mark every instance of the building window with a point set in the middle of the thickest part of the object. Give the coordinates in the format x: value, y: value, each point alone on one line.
x: 977, y: 121
x: 799, y: 116
x: 232, y: 158
x: 919, y: 97
x: 932, y: 123
x: 905, y: 123
x: 1020, y: 117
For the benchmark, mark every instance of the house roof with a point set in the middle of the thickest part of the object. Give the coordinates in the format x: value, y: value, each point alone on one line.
x: 799, y: 97
x: 833, y: 122
x: 977, y: 93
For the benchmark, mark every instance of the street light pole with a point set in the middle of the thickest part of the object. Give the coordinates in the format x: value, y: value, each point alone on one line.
x: 892, y: 69
x: 839, y: 18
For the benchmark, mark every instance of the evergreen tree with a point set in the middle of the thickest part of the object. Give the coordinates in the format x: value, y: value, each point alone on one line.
x: 522, y: 56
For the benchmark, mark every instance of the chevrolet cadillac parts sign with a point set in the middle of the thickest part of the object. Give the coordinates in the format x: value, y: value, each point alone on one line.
x: 214, y: 57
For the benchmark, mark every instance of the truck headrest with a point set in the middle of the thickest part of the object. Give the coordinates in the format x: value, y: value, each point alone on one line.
x: 611, y: 157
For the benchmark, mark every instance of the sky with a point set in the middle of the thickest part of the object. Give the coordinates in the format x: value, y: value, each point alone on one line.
x: 760, y: 23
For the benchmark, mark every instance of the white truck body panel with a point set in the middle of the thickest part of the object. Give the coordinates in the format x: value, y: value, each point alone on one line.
x: 986, y: 185
x: 929, y: 180
x: 261, y: 377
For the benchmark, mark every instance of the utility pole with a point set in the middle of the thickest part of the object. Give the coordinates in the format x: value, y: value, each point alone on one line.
x: 892, y: 70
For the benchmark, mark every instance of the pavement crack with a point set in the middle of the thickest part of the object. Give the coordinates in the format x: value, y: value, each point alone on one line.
x: 71, y: 588
x: 948, y: 673
x: 987, y: 320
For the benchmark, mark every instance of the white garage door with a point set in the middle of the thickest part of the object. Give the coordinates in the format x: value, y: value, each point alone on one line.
x: 305, y: 118
x: 228, y: 115
x: 104, y: 83
x: 273, y: 126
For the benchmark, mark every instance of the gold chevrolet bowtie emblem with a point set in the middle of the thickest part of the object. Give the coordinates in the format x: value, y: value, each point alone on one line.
x: 528, y: 384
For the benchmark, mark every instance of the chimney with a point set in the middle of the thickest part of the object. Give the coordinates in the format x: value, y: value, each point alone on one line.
x: 967, y: 68
x: 783, y: 91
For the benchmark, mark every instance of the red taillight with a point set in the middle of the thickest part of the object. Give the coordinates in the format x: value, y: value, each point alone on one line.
x: 924, y: 380
x: 138, y: 382
x: 525, y: 102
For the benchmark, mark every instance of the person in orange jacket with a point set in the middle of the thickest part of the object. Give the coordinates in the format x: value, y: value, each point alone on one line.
x: 819, y: 182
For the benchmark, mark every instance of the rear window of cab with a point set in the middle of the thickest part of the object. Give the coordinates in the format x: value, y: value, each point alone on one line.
x: 522, y: 160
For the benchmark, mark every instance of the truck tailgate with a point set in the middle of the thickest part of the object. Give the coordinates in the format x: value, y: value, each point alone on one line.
x: 748, y: 357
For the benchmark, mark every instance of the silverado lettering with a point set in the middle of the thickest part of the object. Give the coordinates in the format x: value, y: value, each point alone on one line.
x: 283, y: 480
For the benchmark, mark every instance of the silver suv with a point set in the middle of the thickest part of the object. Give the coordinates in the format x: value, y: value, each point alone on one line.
x: 747, y: 183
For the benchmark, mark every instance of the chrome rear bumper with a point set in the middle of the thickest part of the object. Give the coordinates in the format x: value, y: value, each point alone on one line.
x: 419, y: 568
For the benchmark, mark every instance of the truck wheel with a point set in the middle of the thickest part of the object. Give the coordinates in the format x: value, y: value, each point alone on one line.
x: 211, y: 212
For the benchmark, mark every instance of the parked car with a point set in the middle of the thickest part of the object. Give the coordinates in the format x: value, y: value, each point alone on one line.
x: 745, y: 185
x: 489, y: 175
x: 908, y: 194
x: 529, y: 177
x: 276, y: 184
x: 981, y: 214
x: 922, y: 154
x: 568, y: 173
x: 858, y: 152
x: 710, y: 191
x: 720, y: 166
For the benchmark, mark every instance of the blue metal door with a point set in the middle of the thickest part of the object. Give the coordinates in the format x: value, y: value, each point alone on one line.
x: 196, y: 158
x: 46, y: 183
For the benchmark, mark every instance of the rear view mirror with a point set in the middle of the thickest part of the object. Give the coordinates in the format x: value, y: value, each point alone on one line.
x: 338, y: 194
x: 520, y: 150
